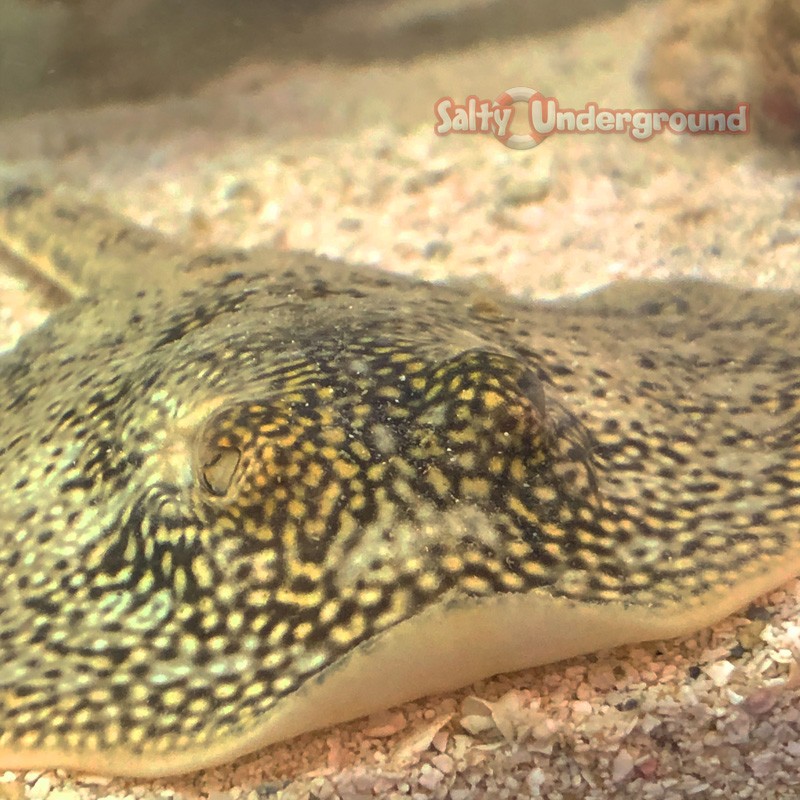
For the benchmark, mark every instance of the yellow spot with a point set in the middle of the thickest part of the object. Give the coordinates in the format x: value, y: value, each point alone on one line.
x: 345, y: 469
x: 475, y: 487
x: 359, y: 450
x: 452, y: 563
x: 172, y: 697
x: 344, y: 634
x: 496, y: 464
x: 513, y: 582
x: 475, y: 584
x: 438, y: 481
x: 518, y: 507
x: 427, y: 581
x: 303, y: 631
x: 492, y: 400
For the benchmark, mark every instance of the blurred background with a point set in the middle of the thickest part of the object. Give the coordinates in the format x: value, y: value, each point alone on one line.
x: 85, y: 52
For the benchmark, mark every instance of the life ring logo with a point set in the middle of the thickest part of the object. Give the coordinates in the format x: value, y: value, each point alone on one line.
x: 520, y: 141
x: 544, y: 115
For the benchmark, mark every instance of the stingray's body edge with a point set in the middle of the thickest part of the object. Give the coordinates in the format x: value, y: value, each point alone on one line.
x: 474, y: 638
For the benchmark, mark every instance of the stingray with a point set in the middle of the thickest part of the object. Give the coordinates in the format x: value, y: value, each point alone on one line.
x: 251, y: 494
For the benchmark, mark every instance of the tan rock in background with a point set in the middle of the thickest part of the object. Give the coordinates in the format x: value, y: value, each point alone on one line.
x: 713, y: 54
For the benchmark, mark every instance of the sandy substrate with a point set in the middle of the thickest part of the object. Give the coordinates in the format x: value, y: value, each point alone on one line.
x: 343, y: 161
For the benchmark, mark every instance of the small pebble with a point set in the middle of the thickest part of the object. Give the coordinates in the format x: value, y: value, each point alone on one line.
x: 621, y: 766
x: 245, y: 194
x: 443, y: 763
x: 40, y: 789
x: 430, y: 777
x: 437, y: 248
x: 523, y: 192
x: 719, y: 672
x: 385, y: 724
x: 535, y: 779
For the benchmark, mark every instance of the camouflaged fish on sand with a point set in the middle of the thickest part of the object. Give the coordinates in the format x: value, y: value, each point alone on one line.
x: 224, y: 476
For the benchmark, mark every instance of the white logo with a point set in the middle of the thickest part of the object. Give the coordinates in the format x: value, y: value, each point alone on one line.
x: 544, y: 116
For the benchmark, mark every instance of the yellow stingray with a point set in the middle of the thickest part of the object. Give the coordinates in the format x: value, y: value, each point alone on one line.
x: 247, y: 495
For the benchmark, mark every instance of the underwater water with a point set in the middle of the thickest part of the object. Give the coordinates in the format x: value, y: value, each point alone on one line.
x: 312, y: 126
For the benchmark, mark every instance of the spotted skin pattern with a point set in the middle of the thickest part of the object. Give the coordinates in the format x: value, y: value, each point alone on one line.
x: 224, y: 477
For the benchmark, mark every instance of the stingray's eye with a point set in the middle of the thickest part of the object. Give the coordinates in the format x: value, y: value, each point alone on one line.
x: 217, y: 468
x: 531, y: 386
